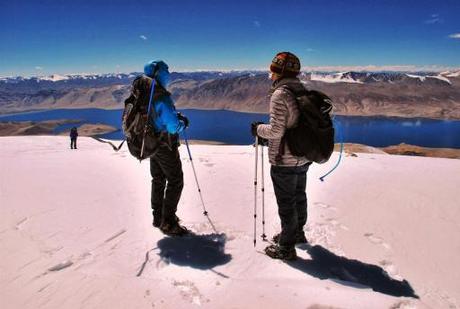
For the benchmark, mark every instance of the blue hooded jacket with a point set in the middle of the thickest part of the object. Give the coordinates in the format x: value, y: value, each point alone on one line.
x: 166, y: 119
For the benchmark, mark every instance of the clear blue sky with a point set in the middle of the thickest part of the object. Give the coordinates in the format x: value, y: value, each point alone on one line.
x: 43, y: 37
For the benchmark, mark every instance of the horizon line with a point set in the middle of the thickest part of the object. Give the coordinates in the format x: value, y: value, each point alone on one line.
x: 307, y: 69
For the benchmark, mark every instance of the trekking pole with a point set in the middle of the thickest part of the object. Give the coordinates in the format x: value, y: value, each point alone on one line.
x: 256, y: 145
x: 205, y: 212
x: 340, y: 154
x: 264, y: 237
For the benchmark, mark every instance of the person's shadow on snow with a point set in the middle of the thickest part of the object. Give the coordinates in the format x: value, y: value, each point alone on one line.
x: 198, y: 251
x: 326, y: 265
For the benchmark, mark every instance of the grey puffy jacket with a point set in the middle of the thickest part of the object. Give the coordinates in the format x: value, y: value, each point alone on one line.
x: 284, y: 114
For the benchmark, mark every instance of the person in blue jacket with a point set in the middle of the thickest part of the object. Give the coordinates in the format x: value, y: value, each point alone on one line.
x: 165, y: 164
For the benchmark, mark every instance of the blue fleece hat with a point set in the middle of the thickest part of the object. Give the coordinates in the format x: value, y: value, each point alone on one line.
x: 159, y: 70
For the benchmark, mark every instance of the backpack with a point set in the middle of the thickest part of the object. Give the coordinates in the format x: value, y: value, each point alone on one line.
x: 141, y: 138
x: 313, y: 136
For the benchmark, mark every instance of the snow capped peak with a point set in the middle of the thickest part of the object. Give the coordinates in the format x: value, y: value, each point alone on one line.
x: 421, y: 78
x: 12, y: 79
x: 440, y: 77
x: 453, y: 74
x: 342, y: 77
x: 54, y: 77
x: 450, y: 73
x: 377, y: 77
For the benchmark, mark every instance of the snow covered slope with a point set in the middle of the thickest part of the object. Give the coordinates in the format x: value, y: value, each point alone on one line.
x: 75, y: 232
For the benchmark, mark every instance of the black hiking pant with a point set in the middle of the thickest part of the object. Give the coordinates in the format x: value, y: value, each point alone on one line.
x: 167, y: 182
x: 289, y: 183
x: 73, y: 143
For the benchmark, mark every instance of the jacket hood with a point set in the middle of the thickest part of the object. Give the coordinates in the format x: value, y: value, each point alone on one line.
x: 159, y: 70
x: 284, y: 81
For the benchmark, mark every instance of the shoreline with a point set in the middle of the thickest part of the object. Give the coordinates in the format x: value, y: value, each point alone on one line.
x: 351, y: 149
x: 47, y: 128
x: 182, y: 108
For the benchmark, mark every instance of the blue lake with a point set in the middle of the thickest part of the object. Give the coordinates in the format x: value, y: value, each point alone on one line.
x: 233, y: 127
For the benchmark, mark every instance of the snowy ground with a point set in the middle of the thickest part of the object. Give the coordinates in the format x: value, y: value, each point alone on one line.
x: 75, y: 232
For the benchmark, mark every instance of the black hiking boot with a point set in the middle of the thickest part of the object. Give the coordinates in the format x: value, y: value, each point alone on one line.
x: 173, y: 228
x: 281, y: 253
x: 299, y: 238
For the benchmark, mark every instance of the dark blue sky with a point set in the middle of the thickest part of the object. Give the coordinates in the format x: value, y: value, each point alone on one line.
x: 44, y: 37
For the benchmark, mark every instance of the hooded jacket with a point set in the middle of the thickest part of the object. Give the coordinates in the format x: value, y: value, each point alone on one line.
x: 284, y: 114
x: 164, y: 116
x: 73, y: 133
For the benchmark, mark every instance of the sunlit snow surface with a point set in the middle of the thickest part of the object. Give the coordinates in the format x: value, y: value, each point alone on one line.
x: 75, y: 232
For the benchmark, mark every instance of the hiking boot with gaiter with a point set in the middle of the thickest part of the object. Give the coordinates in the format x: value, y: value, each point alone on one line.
x: 280, y: 252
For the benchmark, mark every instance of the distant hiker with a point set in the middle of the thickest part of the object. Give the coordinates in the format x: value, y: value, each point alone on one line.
x: 288, y: 172
x: 73, y: 138
x: 164, y: 124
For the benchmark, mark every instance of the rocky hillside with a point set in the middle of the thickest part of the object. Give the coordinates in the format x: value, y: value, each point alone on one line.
x: 429, y: 95
x: 389, y: 94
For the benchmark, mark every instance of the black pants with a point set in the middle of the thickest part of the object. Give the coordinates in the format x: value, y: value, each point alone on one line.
x: 73, y: 143
x: 167, y: 182
x: 289, y: 184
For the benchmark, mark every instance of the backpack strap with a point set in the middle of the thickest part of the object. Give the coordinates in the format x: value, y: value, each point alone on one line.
x: 297, y: 90
x: 152, y: 90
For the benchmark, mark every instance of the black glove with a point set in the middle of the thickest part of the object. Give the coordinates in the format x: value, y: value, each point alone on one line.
x: 184, y: 119
x: 254, y: 126
x: 262, y: 141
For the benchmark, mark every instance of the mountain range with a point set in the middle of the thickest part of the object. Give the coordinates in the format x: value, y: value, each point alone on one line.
x: 423, y: 94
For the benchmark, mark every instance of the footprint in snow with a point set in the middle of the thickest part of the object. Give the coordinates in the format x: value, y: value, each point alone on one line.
x: 325, y: 206
x: 377, y: 240
x: 190, y: 292
x: 206, y: 162
x: 404, y: 304
x: 442, y: 298
x: 390, y: 268
x: 333, y: 221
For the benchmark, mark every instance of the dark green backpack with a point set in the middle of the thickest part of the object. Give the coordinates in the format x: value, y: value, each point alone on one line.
x: 137, y: 126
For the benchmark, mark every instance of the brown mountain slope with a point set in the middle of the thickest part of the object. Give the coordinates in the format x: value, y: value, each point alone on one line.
x: 404, y: 96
